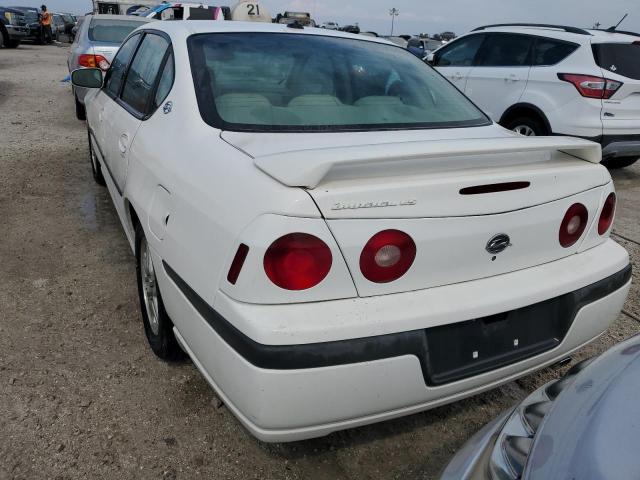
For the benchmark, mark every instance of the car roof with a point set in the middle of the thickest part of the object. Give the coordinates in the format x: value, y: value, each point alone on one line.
x: 131, y: 18
x: 13, y: 10
x: 551, y: 31
x: 188, y: 27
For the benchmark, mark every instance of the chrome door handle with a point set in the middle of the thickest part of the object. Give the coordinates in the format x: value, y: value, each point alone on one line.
x: 123, y: 143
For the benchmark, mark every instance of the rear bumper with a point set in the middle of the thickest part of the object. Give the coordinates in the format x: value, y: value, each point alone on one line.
x: 616, y: 146
x: 294, y: 391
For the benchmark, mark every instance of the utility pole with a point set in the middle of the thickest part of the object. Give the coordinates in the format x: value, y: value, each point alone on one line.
x: 394, y: 12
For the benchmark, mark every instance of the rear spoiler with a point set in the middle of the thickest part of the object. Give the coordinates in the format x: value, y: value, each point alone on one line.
x: 307, y: 168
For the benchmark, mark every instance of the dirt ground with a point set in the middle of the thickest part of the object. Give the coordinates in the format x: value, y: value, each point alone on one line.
x: 81, y: 394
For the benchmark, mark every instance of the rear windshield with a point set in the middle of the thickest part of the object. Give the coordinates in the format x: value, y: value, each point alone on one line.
x: 111, y: 31
x: 274, y: 81
x: 620, y: 58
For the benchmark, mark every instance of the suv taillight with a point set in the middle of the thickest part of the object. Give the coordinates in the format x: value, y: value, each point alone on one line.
x: 93, y: 61
x: 387, y: 256
x: 573, y: 225
x: 606, y: 216
x: 297, y: 261
x: 592, y: 87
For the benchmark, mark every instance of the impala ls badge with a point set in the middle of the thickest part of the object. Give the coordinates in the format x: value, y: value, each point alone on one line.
x: 498, y: 243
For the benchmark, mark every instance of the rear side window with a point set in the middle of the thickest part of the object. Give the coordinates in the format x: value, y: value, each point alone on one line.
x: 165, y: 83
x: 460, y: 53
x: 119, y: 66
x: 506, y: 50
x: 142, y: 74
x: 111, y: 31
x: 549, y: 51
x: 620, y: 58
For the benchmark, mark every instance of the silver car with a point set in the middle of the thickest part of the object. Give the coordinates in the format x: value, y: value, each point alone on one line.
x: 97, y: 40
x: 584, y: 426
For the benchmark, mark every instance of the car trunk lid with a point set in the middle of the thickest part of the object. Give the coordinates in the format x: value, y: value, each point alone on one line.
x: 451, y: 196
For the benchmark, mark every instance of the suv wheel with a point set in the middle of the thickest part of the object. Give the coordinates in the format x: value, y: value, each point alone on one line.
x: 621, y: 162
x: 526, y: 126
x: 12, y: 43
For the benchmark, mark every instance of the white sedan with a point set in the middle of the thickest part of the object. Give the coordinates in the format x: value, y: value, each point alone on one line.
x: 333, y: 233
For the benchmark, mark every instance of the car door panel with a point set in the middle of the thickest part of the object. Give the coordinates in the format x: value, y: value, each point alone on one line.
x: 456, y: 60
x: 500, y: 77
x: 123, y: 116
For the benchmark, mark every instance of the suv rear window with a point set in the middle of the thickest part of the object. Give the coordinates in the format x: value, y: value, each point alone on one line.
x: 274, y: 81
x: 620, y: 58
x: 111, y: 31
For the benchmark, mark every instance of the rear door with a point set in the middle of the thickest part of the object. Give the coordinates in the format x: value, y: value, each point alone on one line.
x: 620, y: 62
x: 123, y: 116
x: 456, y: 60
x: 501, y: 73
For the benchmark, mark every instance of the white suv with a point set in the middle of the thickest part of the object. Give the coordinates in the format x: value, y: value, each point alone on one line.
x: 553, y: 80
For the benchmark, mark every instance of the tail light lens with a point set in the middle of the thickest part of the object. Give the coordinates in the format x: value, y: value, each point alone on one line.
x: 387, y: 256
x: 592, y: 87
x: 606, y: 216
x: 573, y: 224
x: 297, y: 261
x: 93, y: 61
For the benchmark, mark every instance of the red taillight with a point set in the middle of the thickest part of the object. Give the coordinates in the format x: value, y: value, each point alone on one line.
x: 592, y: 87
x: 236, y: 265
x: 387, y: 256
x: 573, y: 224
x: 93, y: 61
x: 297, y: 261
x: 606, y: 216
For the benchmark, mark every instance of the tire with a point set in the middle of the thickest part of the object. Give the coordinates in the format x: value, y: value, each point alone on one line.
x: 96, y: 169
x: 4, y: 37
x: 158, y: 327
x: 81, y: 113
x: 13, y: 43
x: 621, y: 162
x: 528, y: 126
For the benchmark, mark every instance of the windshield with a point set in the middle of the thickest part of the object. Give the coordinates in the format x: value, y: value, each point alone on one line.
x: 620, y: 58
x: 111, y: 31
x: 274, y: 81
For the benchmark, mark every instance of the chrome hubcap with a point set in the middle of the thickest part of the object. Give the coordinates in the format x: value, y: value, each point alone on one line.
x: 525, y: 130
x: 149, y: 286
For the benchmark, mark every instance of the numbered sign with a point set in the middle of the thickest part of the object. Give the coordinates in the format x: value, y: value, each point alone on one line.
x: 250, y: 11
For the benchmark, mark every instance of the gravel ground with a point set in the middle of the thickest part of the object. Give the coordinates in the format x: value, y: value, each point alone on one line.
x: 81, y: 395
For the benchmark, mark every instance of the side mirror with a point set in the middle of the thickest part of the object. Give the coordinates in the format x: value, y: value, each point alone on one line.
x: 430, y: 58
x: 87, y: 77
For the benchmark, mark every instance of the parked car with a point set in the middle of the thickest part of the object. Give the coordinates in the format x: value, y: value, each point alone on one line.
x: 399, y: 41
x: 95, y: 44
x: 57, y: 26
x: 583, y: 425
x: 350, y: 29
x: 553, y: 80
x: 70, y: 21
x: 336, y: 243
x: 13, y: 28
x: 330, y: 25
x: 184, y: 11
x: 32, y: 15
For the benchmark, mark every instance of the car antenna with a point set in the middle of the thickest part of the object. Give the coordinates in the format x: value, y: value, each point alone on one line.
x: 613, y: 29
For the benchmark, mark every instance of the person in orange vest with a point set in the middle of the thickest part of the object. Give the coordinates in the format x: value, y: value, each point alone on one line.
x: 45, y: 25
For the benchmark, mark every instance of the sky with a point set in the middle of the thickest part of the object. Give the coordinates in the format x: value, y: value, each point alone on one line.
x: 420, y: 16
